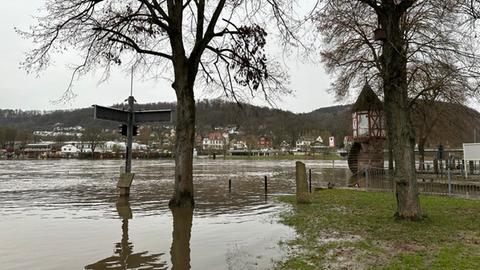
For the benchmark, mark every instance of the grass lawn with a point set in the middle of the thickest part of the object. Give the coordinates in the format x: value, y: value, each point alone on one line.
x: 347, y: 229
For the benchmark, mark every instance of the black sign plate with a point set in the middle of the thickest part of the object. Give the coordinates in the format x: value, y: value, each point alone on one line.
x: 153, y: 116
x: 106, y: 113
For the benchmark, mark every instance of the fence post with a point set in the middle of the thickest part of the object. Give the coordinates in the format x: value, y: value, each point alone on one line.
x: 265, y: 180
x: 229, y: 185
x: 449, y: 181
x: 366, y: 178
x: 301, y: 183
x: 310, y: 180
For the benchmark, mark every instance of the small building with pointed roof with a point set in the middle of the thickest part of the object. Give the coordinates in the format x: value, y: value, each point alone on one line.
x: 368, y: 132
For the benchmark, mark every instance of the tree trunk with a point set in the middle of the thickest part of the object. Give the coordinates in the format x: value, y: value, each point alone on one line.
x: 397, y: 110
x: 185, y: 135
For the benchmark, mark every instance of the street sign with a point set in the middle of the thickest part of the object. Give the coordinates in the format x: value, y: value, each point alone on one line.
x: 129, y: 118
x: 153, y: 116
x: 105, y: 113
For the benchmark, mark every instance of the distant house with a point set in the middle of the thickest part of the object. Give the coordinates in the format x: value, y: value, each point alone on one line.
x: 331, y: 142
x: 233, y: 130
x: 112, y: 146
x: 318, y: 145
x: 139, y: 147
x: 215, y: 140
x: 264, y: 142
x: 303, y: 144
x: 86, y: 147
x: 285, y: 146
x: 238, y: 145
x: 35, y: 150
x: 69, y: 151
x: 58, y: 130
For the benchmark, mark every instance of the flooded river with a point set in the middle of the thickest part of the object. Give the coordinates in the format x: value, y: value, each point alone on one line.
x: 64, y: 214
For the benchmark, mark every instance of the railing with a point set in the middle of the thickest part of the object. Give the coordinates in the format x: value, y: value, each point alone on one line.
x: 380, y: 179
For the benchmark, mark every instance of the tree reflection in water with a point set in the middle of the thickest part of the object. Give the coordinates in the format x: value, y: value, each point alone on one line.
x: 182, y: 227
x: 123, y: 257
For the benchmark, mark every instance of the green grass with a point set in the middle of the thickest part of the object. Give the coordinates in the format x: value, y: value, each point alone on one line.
x: 356, y: 230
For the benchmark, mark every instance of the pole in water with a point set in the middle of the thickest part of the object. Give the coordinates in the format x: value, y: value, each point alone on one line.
x: 229, y: 185
x: 265, y: 184
x: 310, y: 180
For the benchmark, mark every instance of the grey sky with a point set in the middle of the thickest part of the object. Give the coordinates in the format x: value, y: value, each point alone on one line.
x: 20, y: 90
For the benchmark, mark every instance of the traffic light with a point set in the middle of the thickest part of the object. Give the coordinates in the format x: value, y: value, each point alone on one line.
x: 122, y: 129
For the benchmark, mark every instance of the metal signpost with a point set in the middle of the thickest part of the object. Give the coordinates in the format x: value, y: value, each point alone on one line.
x: 129, y: 119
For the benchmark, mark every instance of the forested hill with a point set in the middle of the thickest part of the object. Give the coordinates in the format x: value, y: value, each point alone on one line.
x: 451, y: 127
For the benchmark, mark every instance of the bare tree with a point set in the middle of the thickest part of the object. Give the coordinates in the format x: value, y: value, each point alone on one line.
x: 422, y: 50
x: 216, y: 42
x: 94, y: 137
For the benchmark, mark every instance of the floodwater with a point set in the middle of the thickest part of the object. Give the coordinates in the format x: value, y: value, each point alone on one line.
x: 64, y: 214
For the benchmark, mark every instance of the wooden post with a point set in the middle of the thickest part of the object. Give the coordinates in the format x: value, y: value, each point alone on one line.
x: 301, y: 181
x: 229, y: 185
x: 265, y: 180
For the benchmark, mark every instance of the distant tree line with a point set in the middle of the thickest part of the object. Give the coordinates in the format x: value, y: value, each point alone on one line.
x: 435, y: 122
x: 10, y: 135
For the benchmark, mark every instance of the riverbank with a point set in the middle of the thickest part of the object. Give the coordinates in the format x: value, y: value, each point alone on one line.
x: 331, y: 156
x: 345, y: 229
x: 324, y: 156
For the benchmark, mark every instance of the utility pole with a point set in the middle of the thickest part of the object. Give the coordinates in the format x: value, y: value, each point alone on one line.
x: 130, y: 124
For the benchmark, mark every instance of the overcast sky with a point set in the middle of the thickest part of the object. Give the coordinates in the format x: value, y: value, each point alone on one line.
x: 20, y: 90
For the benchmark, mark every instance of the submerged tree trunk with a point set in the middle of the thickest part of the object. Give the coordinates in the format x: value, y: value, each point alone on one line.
x: 182, y: 228
x: 398, y: 116
x: 185, y: 135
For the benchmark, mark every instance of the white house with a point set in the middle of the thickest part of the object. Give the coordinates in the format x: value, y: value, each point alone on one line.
x: 70, y: 149
x: 215, y: 141
x: 111, y: 146
x: 303, y: 144
x: 238, y: 145
x: 139, y: 147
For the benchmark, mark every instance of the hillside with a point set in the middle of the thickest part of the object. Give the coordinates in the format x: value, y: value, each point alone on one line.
x: 451, y: 126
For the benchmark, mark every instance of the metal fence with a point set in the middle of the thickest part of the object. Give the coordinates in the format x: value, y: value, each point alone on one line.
x: 380, y: 179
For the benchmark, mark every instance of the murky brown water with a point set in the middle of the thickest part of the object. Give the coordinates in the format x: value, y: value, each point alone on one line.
x: 64, y: 214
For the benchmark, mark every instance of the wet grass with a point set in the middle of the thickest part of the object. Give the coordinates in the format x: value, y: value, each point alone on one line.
x: 346, y: 229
